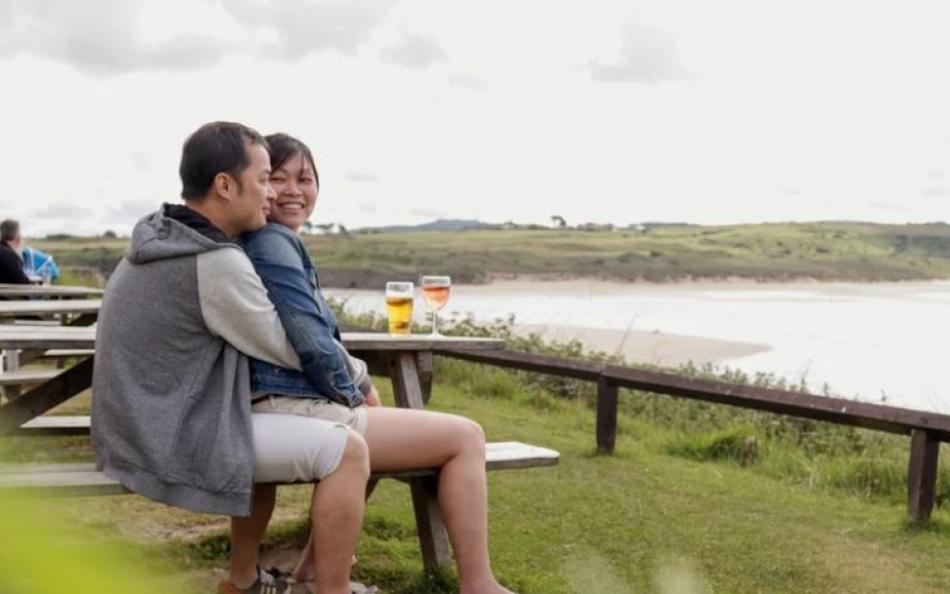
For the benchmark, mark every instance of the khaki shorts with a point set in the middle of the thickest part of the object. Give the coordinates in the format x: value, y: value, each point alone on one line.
x: 294, y: 449
x: 315, y: 408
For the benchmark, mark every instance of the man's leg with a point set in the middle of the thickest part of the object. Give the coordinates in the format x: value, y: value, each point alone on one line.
x: 247, y: 534
x: 292, y: 448
x: 400, y: 439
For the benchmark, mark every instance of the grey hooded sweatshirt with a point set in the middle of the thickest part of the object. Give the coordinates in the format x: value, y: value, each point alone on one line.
x: 171, y: 416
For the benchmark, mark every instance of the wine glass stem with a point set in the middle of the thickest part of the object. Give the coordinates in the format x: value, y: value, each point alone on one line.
x: 435, y: 322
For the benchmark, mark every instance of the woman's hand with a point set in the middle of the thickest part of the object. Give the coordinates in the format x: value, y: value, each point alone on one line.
x: 372, y: 397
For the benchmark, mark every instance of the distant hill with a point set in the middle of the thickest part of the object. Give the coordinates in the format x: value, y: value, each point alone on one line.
x: 436, y: 225
x: 829, y: 251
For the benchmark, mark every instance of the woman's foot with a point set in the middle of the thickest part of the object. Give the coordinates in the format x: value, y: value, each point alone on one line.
x: 492, y: 587
x: 305, y: 572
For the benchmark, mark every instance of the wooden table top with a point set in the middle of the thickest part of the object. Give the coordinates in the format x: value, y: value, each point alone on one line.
x: 67, y: 337
x: 7, y: 290
x: 56, y: 306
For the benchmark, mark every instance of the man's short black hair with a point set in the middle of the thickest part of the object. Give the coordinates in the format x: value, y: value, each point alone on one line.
x: 217, y: 147
x: 9, y: 229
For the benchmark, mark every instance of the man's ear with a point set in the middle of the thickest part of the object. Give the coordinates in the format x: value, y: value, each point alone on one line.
x: 225, y: 186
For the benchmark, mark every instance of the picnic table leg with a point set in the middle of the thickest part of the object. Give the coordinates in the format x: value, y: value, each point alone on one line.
x: 45, y: 396
x: 433, y: 539
x: 86, y: 319
x: 30, y: 356
x: 11, y: 362
x: 425, y: 366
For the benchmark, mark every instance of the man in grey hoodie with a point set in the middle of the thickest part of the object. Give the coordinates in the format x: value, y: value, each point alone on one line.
x: 171, y: 415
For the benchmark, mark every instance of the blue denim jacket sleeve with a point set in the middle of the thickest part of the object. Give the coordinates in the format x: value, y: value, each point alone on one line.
x: 276, y: 254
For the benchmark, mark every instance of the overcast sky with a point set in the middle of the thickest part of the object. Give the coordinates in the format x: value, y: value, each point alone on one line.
x: 707, y: 112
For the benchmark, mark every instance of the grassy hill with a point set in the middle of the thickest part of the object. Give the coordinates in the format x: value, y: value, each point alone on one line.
x: 780, y: 252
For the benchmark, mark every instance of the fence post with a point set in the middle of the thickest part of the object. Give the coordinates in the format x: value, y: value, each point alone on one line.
x: 921, y: 475
x: 606, y: 415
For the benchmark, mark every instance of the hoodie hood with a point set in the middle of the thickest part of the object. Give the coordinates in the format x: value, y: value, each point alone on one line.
x: 159, y: 237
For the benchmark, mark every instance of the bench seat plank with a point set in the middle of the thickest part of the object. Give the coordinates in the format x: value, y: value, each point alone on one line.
x: 501, y: 455
x: 55, y: 425
x: 71, y: 480
x: 21, y: 377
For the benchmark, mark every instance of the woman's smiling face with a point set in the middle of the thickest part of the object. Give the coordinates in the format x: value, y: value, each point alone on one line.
x: 295, y: 184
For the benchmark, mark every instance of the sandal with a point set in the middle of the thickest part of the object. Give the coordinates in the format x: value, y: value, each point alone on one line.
x: 355, y: 587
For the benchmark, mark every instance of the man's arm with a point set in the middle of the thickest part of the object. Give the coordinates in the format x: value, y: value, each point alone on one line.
x: 235, y: 307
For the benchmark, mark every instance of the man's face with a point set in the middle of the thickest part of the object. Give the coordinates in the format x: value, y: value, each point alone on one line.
x: 252, y: 204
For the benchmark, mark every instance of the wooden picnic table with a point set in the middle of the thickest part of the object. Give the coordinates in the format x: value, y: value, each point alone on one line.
x: 32, y: 307
x: 53, y: 291
x: 71, y: 312
x: 406, y: 360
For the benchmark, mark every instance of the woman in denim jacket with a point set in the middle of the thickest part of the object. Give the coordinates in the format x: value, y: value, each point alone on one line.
x: 335, y: 386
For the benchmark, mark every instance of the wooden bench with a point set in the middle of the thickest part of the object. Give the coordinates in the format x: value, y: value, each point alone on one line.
x: 75, y: 480
x: 55, y: 425
x: 22, y: 377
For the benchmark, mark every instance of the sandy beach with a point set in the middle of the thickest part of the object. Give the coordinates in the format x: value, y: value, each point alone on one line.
x: 655, y: 348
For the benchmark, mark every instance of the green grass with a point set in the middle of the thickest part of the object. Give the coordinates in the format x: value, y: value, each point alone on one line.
x: 775, y: 251
x: 654, y: 517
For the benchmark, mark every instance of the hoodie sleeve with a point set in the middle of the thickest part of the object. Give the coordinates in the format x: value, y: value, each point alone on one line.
x: 358, y: 369
x: 235, y: 307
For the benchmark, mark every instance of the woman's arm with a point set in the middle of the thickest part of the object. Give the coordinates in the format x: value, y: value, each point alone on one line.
x: 276, y: 259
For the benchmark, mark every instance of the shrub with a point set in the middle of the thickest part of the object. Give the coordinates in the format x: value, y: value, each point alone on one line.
x: 736, y: 444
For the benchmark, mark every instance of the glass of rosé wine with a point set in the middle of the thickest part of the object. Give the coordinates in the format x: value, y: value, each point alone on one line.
x: 435, y: 290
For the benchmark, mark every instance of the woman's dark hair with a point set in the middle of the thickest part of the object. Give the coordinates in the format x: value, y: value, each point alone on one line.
x: 218, y: 147
x: 283, y: 147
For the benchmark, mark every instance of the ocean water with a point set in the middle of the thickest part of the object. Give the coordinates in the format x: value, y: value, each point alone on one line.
x: 878, y: 342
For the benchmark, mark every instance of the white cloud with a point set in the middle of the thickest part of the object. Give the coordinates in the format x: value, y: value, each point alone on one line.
x: 102, y: 38
x: 647, y: 55
x: 466, y: 81
x: 128, y: 212
x: 431, y: 213
x: 415, y: 51
x: 62, y: 211
x: 362, y: 177
x: 110, y: 37
x: 295, y: 28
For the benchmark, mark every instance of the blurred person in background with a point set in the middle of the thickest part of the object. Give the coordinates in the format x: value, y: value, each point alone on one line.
x: 39, y: 265
x: 11, y: 262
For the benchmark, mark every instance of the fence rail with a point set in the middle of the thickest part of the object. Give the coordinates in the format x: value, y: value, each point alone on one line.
x: 927, y: 430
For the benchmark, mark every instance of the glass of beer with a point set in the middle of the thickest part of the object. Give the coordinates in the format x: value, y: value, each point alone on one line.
x: 435, y: 289
x: 399, y: 307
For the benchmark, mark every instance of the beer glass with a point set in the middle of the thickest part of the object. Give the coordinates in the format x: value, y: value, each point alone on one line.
x: 435, y: 289
x: 399, y: 307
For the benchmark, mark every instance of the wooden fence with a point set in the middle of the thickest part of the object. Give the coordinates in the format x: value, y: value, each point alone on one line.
x: 926, y: 430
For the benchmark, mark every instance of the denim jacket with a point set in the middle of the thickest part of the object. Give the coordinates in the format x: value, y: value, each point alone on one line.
x: 288, y: 273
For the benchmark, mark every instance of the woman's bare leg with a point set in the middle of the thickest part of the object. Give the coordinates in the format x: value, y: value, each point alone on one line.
x: 306, y: 567
x: 401, y: 439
